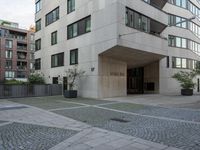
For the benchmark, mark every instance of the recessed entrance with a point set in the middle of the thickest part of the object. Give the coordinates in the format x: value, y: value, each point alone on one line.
x: 135, y: 81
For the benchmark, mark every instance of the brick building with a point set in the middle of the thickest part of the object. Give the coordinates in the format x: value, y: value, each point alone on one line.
x: 16, y: 51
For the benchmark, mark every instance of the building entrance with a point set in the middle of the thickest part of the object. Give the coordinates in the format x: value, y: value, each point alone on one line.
x: 135, y: 81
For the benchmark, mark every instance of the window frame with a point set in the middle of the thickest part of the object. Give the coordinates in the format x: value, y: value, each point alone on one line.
x: 76, y: 57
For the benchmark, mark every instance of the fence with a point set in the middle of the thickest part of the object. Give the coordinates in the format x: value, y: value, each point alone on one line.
x: 16, y: 91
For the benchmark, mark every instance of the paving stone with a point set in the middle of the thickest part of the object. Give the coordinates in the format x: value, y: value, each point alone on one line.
x: 34, y: 137
x: 183, y: 135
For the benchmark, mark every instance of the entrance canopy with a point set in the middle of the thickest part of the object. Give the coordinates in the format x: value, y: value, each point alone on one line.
x: 133, y: 58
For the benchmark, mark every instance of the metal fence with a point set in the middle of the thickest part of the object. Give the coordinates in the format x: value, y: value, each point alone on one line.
x: 16, y: 91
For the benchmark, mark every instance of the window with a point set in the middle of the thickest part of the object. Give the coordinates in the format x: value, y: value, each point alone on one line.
x: 9, y: 74
x: 54, y: 38
x: 70, y: 6
x: 38, y: 6
x: 9, y: 54
x: 8, y: 64
x: 38, y: 64
x: 38, y: 45
x: 137, y: 21
x: 38, y: 25
x: 52, y: 16
x: 55, y: 80
x: 57, y: 60
x: 183, y: 63
x: 78, y: 28
x: 74, y: 57
x: 9, y: 44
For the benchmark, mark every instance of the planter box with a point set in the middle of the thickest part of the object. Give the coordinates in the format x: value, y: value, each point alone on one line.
x: 70, y: 94
x: 187, y: 92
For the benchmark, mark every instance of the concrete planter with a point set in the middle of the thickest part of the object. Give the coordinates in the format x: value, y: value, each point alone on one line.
x: 187, y: 92
x: 70, y: 93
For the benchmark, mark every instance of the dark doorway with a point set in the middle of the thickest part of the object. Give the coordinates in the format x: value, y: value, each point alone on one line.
x: 65, y: 84
x: 198, y: 85
x: 135, y: 81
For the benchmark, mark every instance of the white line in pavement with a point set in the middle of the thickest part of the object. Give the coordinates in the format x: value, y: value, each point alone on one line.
x: 162, y: 118
x: 75, y: 103
x: 5, y: 123
x: 68, y: 108
x: 104, y: 104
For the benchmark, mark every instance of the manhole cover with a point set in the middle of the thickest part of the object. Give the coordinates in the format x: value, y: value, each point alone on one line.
x: 119, y: 120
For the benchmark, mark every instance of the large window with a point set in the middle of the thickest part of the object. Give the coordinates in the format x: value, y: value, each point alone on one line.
x: 9, y: 44
x: 178, y: 42
x: 52, y: 16
x: 183, y: 63
x: 137, y: 21
x: 57, y: 60
x: 78, y: 28
x: 74, y: 57
x: 38, y: 25
x: 38, y: 64
x: 9, y: 74
x: 70, y: 6
x: 9, y: 54
x: 38, y: 6
x: 54, y: 38
x: 38, y: 45
x: 187, y: 4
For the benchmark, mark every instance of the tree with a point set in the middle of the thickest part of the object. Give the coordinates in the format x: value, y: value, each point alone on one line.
x: 36, y: 79
x: 72, y: 75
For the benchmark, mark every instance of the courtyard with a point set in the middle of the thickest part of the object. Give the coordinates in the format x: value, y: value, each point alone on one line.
x: 86, y: 124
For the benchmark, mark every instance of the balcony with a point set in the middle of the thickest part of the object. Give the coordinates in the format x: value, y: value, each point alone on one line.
x: 21, y: 55
x: 21, y: 65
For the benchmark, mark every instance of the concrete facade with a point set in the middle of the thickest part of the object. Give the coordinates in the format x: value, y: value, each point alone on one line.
x: 112, y: 47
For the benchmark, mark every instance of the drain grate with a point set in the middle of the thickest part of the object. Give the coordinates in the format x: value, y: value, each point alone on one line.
x: 11, y: 108
x: 119, y: 120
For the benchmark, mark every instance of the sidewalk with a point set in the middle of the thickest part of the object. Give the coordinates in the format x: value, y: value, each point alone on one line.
x: 157, y: 99
x: 87, y: 138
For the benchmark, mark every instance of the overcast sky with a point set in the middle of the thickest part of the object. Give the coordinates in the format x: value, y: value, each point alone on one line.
x: 20, y: 11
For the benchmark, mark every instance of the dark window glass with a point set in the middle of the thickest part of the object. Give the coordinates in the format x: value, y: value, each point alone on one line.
x: 38, y: 45
x: 8, y: 64
x: 55, y: 80
x: 52, y: 16
x: 70, y: 6
x: 57, y: 60
x: 137, y: 21
x: 74, y: 57
x: 78, y: 28
x: 38, y: 25
x: 54, y: 38
x: 38, y: 64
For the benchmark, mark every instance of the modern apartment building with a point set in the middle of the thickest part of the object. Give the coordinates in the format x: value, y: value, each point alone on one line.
x: 16, y: 51
x: 125, y: 46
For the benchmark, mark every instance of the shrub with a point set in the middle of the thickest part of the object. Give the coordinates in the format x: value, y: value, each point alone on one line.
x: 185, y: 79
x: 36, y: 79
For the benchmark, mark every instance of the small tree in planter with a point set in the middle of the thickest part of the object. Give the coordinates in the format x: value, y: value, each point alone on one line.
x: 186, y: 81
x: 72, y: 75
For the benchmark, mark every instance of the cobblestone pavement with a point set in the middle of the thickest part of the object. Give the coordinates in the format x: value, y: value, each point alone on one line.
x: 101, y: 127
x: 18, y: 136
x: 174, y: 113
